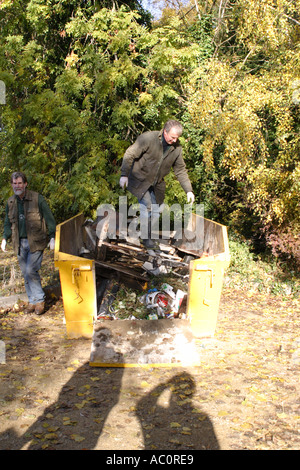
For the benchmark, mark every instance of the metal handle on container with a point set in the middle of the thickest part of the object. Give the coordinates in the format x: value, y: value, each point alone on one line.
x: 76, y: 271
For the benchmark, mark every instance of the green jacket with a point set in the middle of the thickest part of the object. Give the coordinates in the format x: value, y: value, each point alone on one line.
x: 145, y: 164
x: 29, y: 218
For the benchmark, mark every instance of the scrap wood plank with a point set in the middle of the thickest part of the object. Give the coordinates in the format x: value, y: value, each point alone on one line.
x: 137, y: 255
x: 133, y: 256
x: 121, y: 269
x: 121, y: 248
x: 141, y: 253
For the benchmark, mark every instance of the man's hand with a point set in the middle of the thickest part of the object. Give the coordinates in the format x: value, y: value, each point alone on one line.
x: 52, y: 244
x: 3, y: 245
x: 123, y: 182
x: 190, y: 197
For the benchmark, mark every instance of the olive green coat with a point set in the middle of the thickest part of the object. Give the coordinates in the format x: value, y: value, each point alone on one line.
x: 145, y: 165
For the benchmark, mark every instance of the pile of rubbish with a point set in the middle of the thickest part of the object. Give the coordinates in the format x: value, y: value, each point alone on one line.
x: 164, y: 303
x: 125, y: 260
x: 153, y: 305
x: 128, y: 257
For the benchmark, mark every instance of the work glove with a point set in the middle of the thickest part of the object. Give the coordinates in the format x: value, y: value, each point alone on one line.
x: 3, y: 244
x: 52, y: 244
x: 190, y: 197
x: 123, y: 182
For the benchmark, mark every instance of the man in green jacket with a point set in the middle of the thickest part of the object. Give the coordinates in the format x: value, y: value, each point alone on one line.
x: 144, y: 167
x: 27, y: 219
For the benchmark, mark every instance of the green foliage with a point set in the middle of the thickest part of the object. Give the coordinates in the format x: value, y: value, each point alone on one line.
x: 259, y: 273
x: 201, y: 31
x: 86, y: 76
x: 244, y: 103
x: 83, y: 79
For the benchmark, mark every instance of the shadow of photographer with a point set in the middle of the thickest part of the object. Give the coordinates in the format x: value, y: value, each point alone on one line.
x: 170, y: 422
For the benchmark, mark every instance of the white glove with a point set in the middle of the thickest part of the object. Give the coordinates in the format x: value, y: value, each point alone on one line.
x: 3, y: 244
x: 190, y: 197
x: 52, y: 244
x: 123, y: 182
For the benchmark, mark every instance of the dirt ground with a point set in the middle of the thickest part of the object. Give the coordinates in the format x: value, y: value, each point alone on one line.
x: 244, y: 394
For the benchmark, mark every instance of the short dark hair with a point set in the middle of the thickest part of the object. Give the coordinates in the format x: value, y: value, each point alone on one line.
x: 176, y: 124
x: 18, y: 174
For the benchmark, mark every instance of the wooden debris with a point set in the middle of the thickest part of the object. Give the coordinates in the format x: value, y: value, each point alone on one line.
x: 127, y: 258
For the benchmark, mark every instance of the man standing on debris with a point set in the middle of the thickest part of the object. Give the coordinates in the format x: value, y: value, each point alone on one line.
x: 27, y: 219
x: 144, y: 167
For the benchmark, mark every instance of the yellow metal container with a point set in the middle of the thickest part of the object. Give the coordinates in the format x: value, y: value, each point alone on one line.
x: 77, y: 278
x: 205, y: 288
x: 206, y: 280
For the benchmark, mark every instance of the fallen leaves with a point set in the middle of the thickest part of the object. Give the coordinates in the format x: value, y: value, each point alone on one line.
x: 19, y: 411
x: 67, y: 421
x: 77, y: 438
x: 175, y: 425
x: 51, y: 436
x: 246, y: 386
x: 79, y: 406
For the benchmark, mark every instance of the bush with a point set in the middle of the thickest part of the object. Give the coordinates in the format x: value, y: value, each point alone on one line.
x: 262, y: 273
x: 286, y: 246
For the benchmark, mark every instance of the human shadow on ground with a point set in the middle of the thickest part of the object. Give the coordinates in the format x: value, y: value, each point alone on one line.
x: 170, y: 421
x: 75, y: 421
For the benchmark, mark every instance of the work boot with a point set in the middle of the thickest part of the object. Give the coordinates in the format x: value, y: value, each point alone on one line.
x: 39, y: 308
x: 29, y: 308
